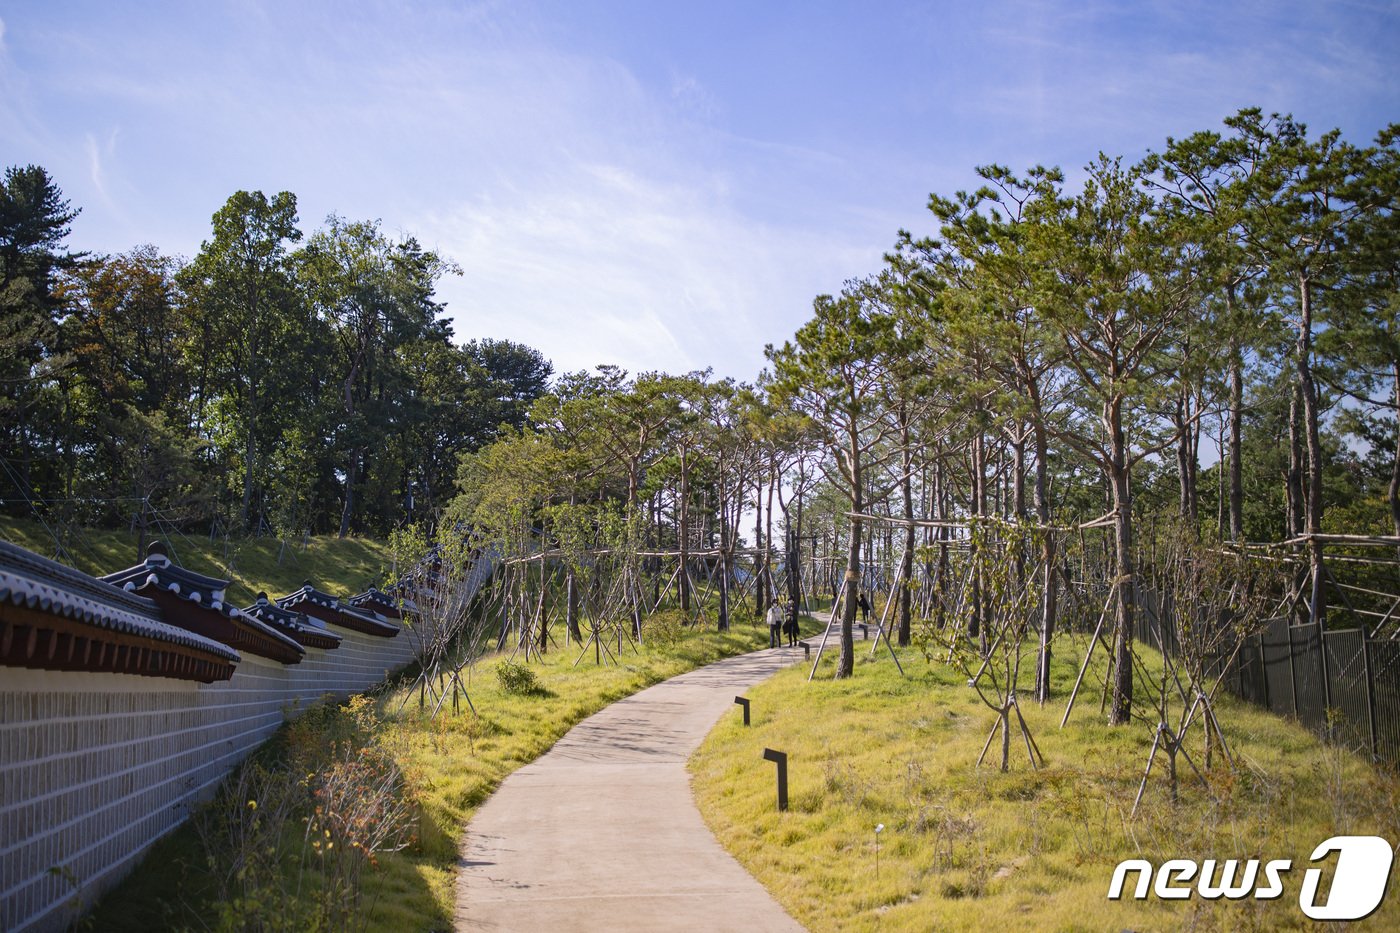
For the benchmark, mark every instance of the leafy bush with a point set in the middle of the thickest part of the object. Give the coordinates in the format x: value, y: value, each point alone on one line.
x: 518, y: 679
x: 664, y: 628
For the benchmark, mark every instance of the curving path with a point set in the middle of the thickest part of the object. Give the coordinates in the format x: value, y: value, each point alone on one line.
x: 602, y: 833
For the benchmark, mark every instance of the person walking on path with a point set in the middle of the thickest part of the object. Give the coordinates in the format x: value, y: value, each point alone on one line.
x: 775, y: 622
x: 864, y: 605
x: 790, y: 624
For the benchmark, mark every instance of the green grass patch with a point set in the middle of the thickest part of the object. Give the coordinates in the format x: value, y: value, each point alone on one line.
x: 450, y: 765
x: 339, y: 566
x: 968, y: 848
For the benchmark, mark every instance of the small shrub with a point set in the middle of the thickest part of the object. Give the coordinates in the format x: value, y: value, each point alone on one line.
x: 664, y: 629
x: 518, y: 679
x: 349, y: 796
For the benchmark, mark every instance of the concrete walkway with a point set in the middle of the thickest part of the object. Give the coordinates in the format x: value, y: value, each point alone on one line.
x: 602, y: 833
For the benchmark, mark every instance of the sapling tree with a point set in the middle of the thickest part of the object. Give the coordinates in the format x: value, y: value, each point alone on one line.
x: 447, y: 568
x: 1008, y: 606
x: 1209, y: 600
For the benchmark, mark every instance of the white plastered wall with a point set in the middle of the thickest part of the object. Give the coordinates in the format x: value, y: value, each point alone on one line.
x: 94, y: 768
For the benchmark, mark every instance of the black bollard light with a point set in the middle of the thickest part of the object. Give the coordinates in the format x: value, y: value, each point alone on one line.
x: 780, y: 759
x: 744, y: 702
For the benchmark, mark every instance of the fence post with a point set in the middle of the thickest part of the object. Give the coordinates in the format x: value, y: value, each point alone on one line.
x: 1292, y: 670
x: 1322, y: 647
x: 1263, y: 668
x: 1370, y: 688
x: 1326, y: 680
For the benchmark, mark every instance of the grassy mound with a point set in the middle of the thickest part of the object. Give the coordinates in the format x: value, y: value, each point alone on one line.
x: 342, y: 567
x: 967, y: 848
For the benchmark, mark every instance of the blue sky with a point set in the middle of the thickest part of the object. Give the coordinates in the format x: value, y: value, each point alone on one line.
x: 658, y: 185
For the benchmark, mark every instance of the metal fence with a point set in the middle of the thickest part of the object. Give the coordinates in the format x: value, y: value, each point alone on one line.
x: 1296, y: 671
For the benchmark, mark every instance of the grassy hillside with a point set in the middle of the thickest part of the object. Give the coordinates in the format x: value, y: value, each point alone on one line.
x: 965, y: 848
x: 336, y: 566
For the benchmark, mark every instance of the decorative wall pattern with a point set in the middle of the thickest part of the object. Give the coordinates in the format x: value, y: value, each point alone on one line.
x: 95, y: 767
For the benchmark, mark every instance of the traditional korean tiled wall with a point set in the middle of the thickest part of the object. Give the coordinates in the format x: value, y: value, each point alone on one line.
x: 96, y: 767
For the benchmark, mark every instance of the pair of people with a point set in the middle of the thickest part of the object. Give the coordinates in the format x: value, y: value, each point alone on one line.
x: 782, y: 622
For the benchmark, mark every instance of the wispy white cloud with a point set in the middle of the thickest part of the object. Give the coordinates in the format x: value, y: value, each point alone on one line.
x: 620, y: 197
x: 101, y: 154
x: 1122, y: 79
x: 692, y: 99
x: 598, y: 264
x: 95, y: 172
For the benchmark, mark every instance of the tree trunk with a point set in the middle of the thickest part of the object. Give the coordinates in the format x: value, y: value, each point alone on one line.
x: 723, y: 561
x: 1005, y: 713
x: 351, y: 469
x: 1125, y: 602
x: 941, y: 503
x: 1395, y: 464
x: 249, y: 448
x: 979, y: 507
x: 1294, y: 479
x: 846, y: 665
x: 142, y: 527
x: 769, y: 588
x: 1318, y: 603
x: 683, y: 533
x: 794, y: 569
x: 571, y: 587
x: 1236, y: 440
x: 543, y: 610
x: 760, y: 591
x: 797, y: 581
x: 906, y: 570
x: 1048, y: 557
x: 633, y: 565
x: 1018, y: 500
x: 1182, y: 419
x: 1193, y: 463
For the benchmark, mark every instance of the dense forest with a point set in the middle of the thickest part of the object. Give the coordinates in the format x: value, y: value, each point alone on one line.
x: 276, y: 383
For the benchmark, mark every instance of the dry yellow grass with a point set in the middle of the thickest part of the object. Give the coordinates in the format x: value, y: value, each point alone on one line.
x: 967, y: 848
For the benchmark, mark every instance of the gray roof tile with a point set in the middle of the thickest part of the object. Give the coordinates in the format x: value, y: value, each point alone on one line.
x: 27, y: 579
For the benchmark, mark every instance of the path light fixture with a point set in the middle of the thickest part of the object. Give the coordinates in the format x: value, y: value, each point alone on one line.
x: 780, y: 759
